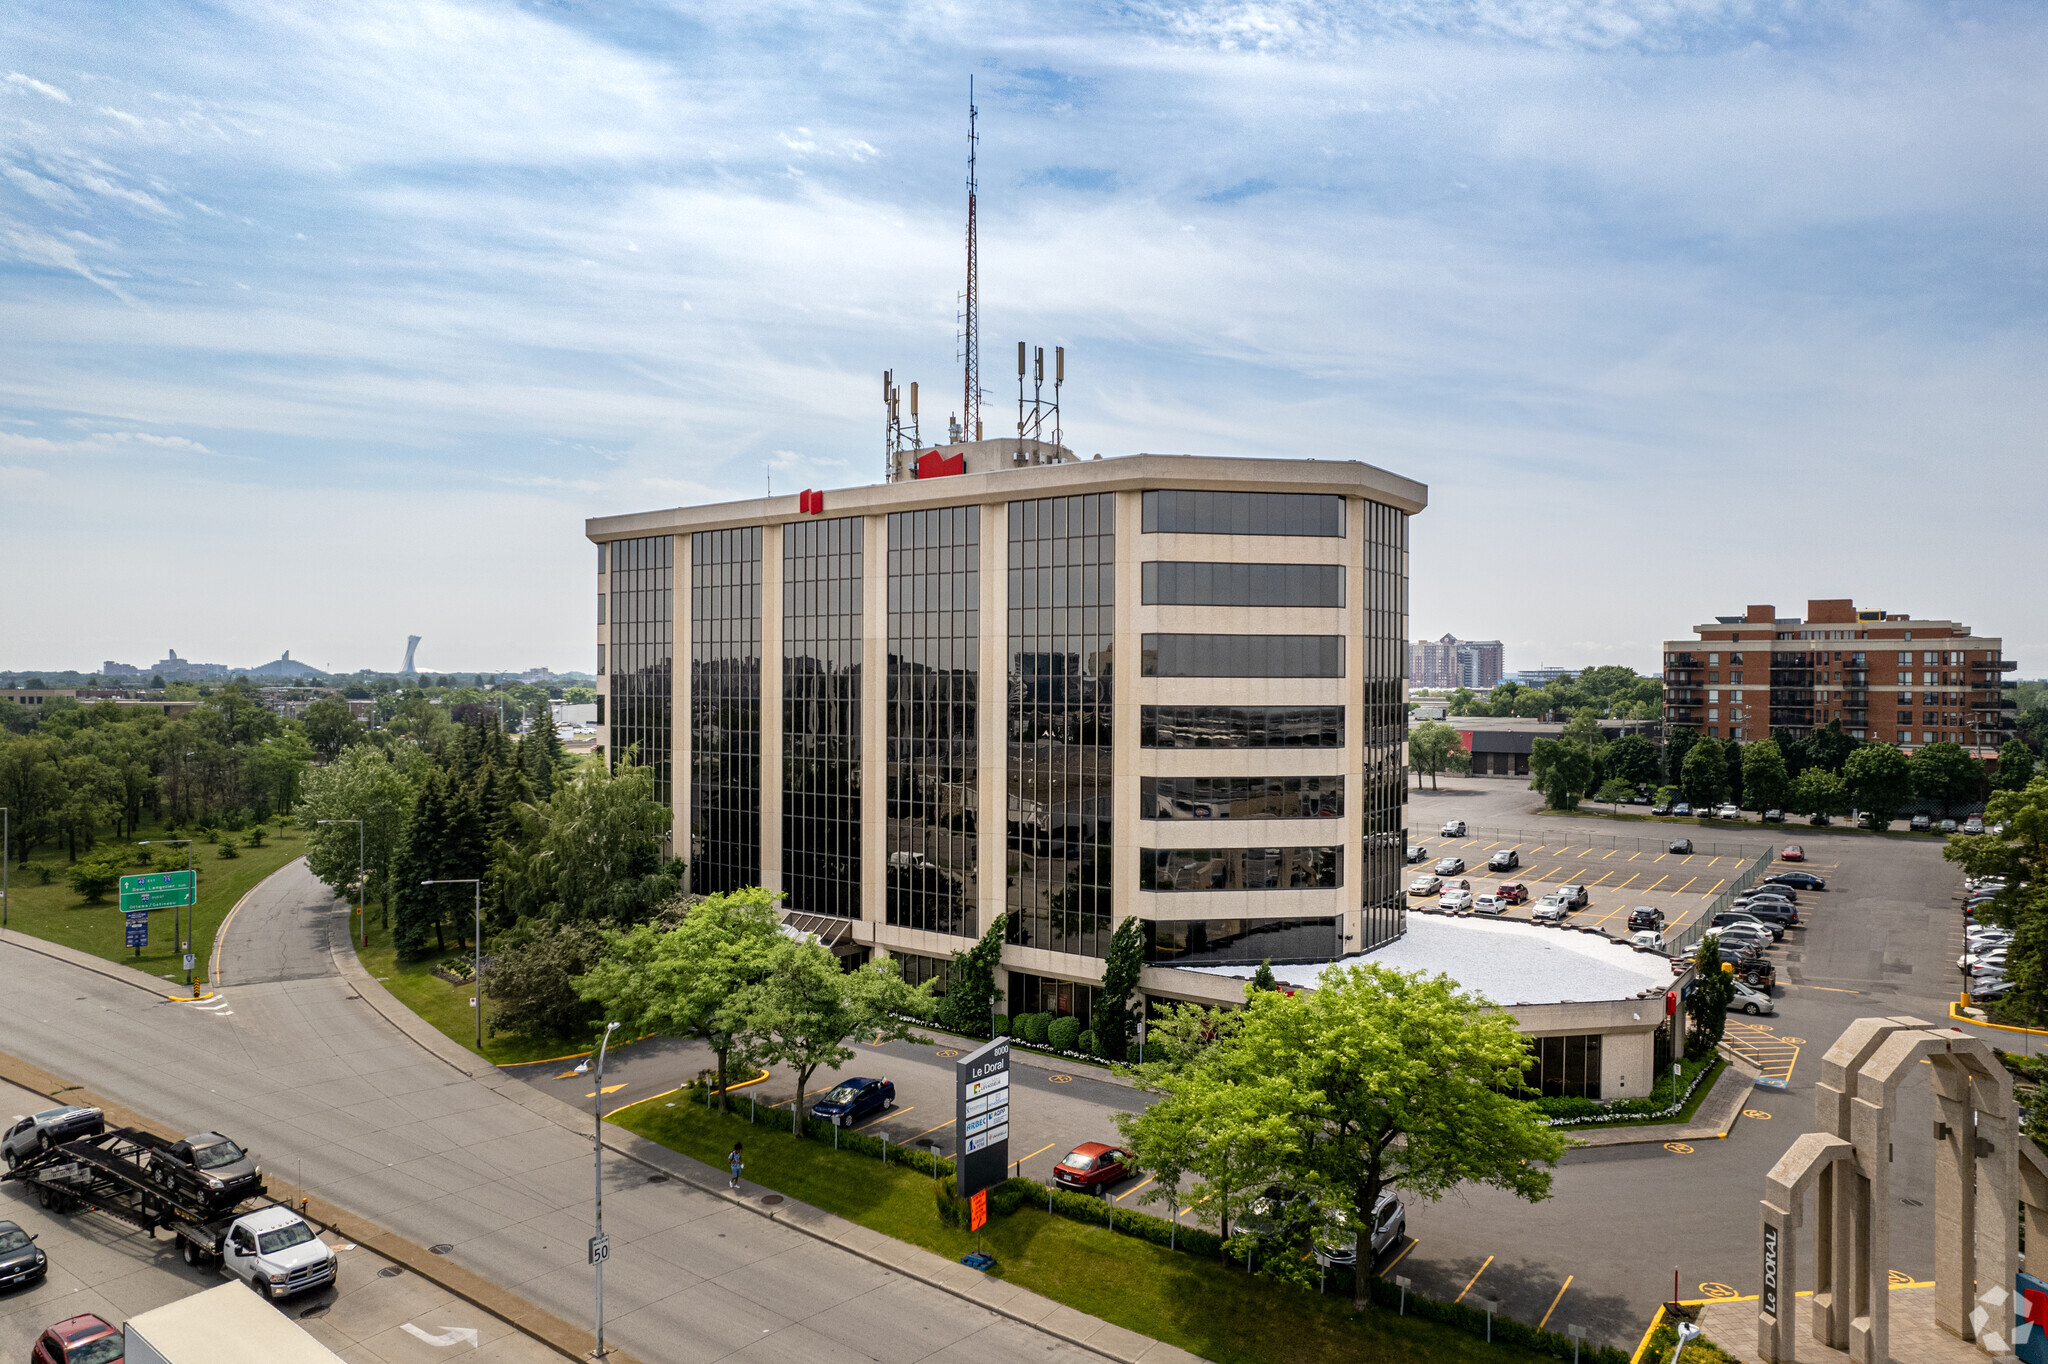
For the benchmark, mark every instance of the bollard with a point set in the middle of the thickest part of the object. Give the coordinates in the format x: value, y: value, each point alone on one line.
x: 1400, y: 1282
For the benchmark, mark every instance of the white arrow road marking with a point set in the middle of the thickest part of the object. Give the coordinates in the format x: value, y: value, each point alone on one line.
x: 454, y: 1335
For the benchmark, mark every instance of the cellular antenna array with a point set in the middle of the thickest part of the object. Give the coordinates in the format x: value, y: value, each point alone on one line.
x: 901, y: 436
x: 1038, y: 412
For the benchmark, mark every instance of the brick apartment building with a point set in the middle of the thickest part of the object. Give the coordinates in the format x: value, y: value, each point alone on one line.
x: 1450, y: 662
x: 1885, y: 677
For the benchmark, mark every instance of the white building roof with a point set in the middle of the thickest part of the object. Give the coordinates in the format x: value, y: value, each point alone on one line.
x: 1506, y: 961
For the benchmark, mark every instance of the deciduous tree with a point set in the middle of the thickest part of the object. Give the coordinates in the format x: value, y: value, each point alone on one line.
x: 1946, y: 775
x: 1430, y: 746
x: 2015, y: 766
x: 1764, y: 779
x: 1562, y: 769
x: 1704, y: 777
x: 1879, y: 780
x: 804, y: 1008
x: 1820, y: 792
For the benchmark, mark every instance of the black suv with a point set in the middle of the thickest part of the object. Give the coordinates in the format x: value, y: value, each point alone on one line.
x: 1643, y: 916
x: 1507, y: 859
x: 212, y: 1167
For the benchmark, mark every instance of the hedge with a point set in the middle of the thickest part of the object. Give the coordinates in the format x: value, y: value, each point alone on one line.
x: 1063, y: 1033
x: 918, y: 1158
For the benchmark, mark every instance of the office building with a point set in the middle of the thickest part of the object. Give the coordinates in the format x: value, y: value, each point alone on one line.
x: 1450, y: 662
x: 902, y: 707
x: 1884, y: 676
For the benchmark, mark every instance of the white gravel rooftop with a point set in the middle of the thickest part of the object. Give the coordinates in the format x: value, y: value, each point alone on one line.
x: 1507, y: 961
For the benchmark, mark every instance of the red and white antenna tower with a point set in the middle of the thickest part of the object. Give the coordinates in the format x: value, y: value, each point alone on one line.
x: 970, y: 313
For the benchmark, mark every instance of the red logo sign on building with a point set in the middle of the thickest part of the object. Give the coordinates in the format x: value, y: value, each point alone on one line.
x: 932, y: 464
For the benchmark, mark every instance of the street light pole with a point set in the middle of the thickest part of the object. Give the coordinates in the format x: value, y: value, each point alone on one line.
x: 6, y: 857
x: 600, y: 1249
x: 184, y: 942
x: 361, y: 915
x: 476, y: 970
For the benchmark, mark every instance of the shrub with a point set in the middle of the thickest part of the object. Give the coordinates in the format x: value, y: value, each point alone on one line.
x: 256, y: 836
x: 94, y: 878
x: 998, y: 1025
x: 1567, y: 1106
x: 227, y: 848
x: 1034, y: 1026
x: 1088, y: 1043
x: 1062, y: 1033
x: 529, y: 981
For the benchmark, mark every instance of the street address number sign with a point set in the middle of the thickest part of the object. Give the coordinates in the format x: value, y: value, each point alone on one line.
x: 981, y: 1113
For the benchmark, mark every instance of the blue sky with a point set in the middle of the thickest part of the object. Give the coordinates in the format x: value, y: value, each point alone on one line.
x: 321, y: 325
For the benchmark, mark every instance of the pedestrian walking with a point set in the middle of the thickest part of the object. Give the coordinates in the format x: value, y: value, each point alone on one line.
x: 735, y: 1164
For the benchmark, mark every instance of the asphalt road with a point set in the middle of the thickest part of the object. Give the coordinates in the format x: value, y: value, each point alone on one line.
x: 299, y: 1068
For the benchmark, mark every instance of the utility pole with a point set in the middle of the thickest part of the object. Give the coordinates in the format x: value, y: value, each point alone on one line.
x: 600, y: 1248
x: 476, y: 943
x: 361, y: 915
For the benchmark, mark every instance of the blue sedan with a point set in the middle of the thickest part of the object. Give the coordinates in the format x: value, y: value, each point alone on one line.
x: 851, y: 1100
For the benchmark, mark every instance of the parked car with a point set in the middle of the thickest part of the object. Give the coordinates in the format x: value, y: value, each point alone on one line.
x: 1453, y: 828
x: 1776, y: 913
x: 1973, y: 825
x: 1264, y: 1213
x: 1514, y: 892
x: 1507, y: 859
x: 1681, y: 809
x: 1920, y: 824
x: 1728, y: 812
x: 1550, y: 909
x: 1792, y: 853
x: 20, y: 1261
x: 1751, y: 1000
x: 1990, y: 987
x: 1990, y: 964
x: 847, y: 1102
x: 210, y: 1166
x: 1456, y: 899
x: 1681, y: 845
x: 1819, y: 821
x: 1775, y: 890
x: 1449, y: 866
x: 1648, y: 937
x: 1489, y: 904
x: 1645, y: 916
x: 1575, y: 896
x: 1336, y: 1243
x: 83, y: 1339
x: 1947, y: 826
x: 1799, y: 880
x: 1425, y: 885
x: 1774, y: 816
x: 51, y: 1127
x: 1731, y: 919
x: 1091, y: 1166
x: 1416, y: 852
x: 1662, y: 807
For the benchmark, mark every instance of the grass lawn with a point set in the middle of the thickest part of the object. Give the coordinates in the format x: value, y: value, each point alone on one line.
x: 1715, y: 1063
x: 57, y: 913
x: 446, y: 1006
x: 1219, y: 1313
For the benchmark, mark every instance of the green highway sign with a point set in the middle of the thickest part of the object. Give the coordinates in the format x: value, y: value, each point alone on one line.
x: 158, y: 890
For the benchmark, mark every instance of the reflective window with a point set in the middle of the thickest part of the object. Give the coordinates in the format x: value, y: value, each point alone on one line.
x: 642, y: 655
x: 1383, y: 726
x: 934, y: 720
x: 821, y: 657
x: 1175, y: 583
x: 1223, y: 942
x: 1062, y: 595
x: 1031, y: 994
x: 1210, y: 513
x: 918, y: 969
x: 1565, y: 1066
x: 1242, y: 656
x: 1241, y: 727
x: 725, y: 709
x: 1240, y: 797
x: 1191, y: 869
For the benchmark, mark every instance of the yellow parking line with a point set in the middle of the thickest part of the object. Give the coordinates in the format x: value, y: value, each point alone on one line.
x: 1489, y: 847
x: 887, y: 1113
x: 1716, y: 886
x: 1603, y: 876
x: 1398, y: 1258
x: 1658, y: 882
x: 1473, y: 1280
x: 1537, y: 849
x: 929, y: 1130
x: 1631, y: 881
x: 1554, y: 1302
x: 1633, y: 856
x: 1039, y: 1152
x: 1128, y: 1192
x: 1681, y: 889
x: 1610, y: 854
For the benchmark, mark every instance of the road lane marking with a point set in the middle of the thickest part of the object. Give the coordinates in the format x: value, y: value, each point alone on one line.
x: 1473, y: 1280
x: 1554, y: 1302
x: 1128, y: 1192
x: 609, y: 1089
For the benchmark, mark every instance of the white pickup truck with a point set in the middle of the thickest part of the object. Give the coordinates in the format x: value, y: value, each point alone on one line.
x: 223, y: 1325
x: 273, y: 1250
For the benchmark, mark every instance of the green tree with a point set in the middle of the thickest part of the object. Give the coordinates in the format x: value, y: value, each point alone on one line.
x: 1678, y: 745
x: 534, y: 967
x: 2015, y: 766
x: 1713, y: 991
x: 1462, y: 701
x: 1879, y: 779
x: 1829, y: 747
x: 2019, y: 853
x: 593, y: 852
x: 1820, y: 792
x: 693, y: 979
x: 361, y: 784
x: 1262, y: 979
x: 95, y: 878
x: 1736, y: 789
x: 1704, y: 777
x: 1764, y: 779
x: 1431, y: 746
x: 1232, y: 1133
x: 1614, y: 791
x: 420, y: 858
x: 804, y: 1008
x: 1584, y: 726
x: 1121, y: 968
x: 970, y: 1001
x: 331, y: 726
x: 1562, y: 769
x: 1946, y: 775
x: 540, y: 751
x: 1632, y: 758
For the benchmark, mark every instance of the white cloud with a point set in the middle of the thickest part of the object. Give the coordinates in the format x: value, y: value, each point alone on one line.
x: 21, y: 82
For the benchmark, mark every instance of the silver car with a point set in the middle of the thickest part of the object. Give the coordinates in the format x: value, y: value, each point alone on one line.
x: 51, y: 1127
x: 1336, y: 1241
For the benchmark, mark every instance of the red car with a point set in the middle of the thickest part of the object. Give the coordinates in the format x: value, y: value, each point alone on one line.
x: 1092, y: 1166
x: 1514, y: 892
x: 79, y: 1340
x: 1793, y: 853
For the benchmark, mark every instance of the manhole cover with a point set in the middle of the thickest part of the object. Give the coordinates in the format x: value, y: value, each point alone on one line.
x: 389, y: 1272
x: 772, y: 1199
x: 319, y: 1311
x: 657, y: 1179
x: 1912, y: 1202
x: 441, y: 1249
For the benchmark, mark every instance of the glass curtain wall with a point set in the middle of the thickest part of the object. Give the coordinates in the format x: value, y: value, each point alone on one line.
x: 1062, y: 587
x: 821, y: 653
x: 642, y: 678
x: 725, y: 709
x: 1384, y: 726
x: 934, y: 695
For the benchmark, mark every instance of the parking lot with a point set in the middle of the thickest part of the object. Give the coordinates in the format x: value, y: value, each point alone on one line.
x: 377, y: 1312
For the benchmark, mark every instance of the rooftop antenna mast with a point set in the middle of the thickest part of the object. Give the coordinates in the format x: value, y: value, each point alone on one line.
x: 970, y: 312
x: 901, y: 436
x: 1036, y: 412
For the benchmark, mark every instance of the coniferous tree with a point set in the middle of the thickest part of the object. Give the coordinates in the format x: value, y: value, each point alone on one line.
x: 540, y: 754
x: 420, y: 857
